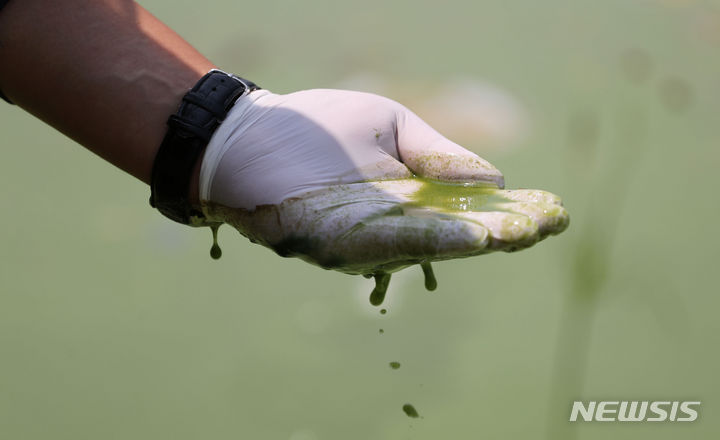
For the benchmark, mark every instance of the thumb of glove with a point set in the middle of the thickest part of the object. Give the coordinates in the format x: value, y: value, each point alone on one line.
x: 429, y: 154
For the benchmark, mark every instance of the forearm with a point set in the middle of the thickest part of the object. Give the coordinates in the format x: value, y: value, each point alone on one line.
x: 104, y: 72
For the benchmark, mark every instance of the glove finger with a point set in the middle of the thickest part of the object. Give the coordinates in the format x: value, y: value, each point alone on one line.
x: 550, y: 218
x: 508, y: 231
x: 530, y: 195
x: 429, y: 154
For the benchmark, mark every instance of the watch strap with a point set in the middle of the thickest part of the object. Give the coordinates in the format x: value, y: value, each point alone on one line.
x: 2, y: 95
x: 201, y: 111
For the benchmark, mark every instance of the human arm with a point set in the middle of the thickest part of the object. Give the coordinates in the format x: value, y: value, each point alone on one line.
x: 106, y: 73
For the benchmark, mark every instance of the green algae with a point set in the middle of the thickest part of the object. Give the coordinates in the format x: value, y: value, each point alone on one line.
x: 450, y: 196
x: 383, y: 311
x: 215, y: 251
x: 381, y: 284
x: 430, y: 281
x: 410, y: 411
x: 381, y: 331
x: 394, y: 365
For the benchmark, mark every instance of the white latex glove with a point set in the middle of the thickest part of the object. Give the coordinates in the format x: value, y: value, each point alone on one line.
x: 345, y: 179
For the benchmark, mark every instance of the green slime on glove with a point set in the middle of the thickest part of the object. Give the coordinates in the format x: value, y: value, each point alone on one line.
x: 445, y: 198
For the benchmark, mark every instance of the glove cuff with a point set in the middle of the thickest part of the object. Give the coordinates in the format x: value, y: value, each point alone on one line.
x: 236, y: 122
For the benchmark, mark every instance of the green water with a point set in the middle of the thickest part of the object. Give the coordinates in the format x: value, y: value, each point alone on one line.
x: 449, y: 196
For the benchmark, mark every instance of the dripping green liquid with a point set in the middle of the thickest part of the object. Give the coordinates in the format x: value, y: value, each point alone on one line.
x: 383, y: 279
x: 381, y: 284
x: 430, y: 281
x: 215, y: 251
x: 410, y: 411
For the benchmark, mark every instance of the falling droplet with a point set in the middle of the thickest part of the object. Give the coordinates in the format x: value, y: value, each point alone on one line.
x: 383, y: 311
x: 381, y: 331
x: 381, y: 284
x: 394, y: 365
x: 430, y: 281
x: 215, y: 251
x: 410, y: 411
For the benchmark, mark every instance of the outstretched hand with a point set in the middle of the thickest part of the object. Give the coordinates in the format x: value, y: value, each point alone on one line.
x: 358, y: 183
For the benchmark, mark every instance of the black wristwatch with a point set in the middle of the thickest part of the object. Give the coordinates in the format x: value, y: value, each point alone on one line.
x: 201, y: 111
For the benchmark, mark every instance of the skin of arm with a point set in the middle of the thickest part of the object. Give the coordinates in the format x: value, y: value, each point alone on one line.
x: 106, y: 73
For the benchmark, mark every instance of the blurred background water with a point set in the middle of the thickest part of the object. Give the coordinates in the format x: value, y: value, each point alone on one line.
x: 116, y: 324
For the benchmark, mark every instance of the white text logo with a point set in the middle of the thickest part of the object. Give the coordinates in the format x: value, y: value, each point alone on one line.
x: 625, y: 411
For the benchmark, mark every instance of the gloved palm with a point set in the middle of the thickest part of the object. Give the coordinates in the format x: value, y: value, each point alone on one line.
x: 358, y: 183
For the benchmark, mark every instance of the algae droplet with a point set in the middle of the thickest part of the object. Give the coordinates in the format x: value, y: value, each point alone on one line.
x: 394, y: 365
x: 381, y: 331
x: 430, y: 281
x: 381, y: 284
x: 410, y: 411
x: 383, y: 311
x: 215, y: 251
